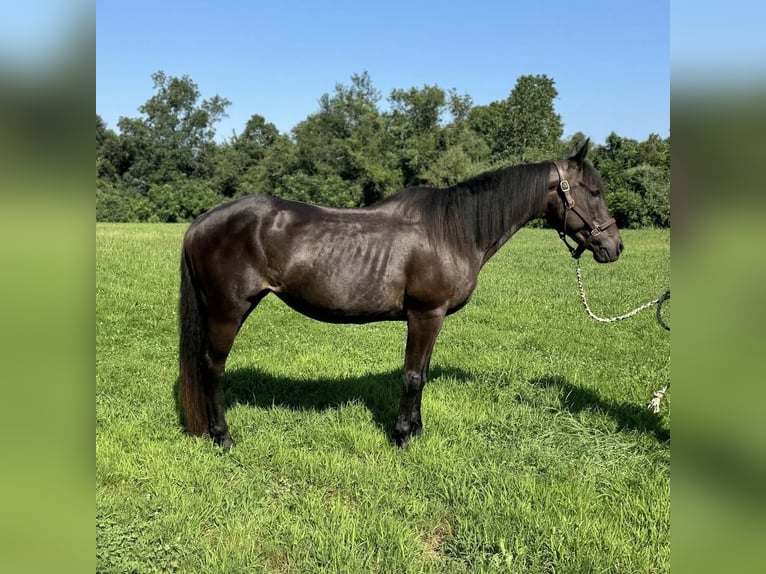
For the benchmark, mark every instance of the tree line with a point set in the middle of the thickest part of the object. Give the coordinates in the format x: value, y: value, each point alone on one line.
x: 166, y: 165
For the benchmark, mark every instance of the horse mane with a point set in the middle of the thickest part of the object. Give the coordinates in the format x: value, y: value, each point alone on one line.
x: 479, y: 210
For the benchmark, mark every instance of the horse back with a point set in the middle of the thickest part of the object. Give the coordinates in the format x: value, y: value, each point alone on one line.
x: 336, y: 265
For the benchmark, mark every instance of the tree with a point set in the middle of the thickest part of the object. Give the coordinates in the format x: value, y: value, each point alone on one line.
x: 524, y: 127
x: 462, y: 153
x: 181, y: 200
x: 165, y: 165
x: 346, y: 141
x: 415, y: 121
x: 637, y: 176
x: 237, y: 161
x: 571, y: 144
x: 107, y: 152
x: 174, y: 137
x: 535, y: 126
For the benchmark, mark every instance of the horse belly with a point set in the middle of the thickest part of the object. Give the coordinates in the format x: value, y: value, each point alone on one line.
x: 340, y: 267
x: 346, y: 291
x: 341, y: 303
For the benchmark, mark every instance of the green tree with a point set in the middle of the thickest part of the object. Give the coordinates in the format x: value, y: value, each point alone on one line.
x: 181, y: 200
x: 174, y: 137
x: 346, y: 141
x: 571, y: 144
x: 462, y: 153
x: 237, y: 161
x: 415, y: 122
x: 535, y: 128
x: 114, y: 203
x: 637, y: 176
x: 107, y: 152
x: 524, y: 127
x: 326, y: 189
x: 268, y: 175
x: 165, y: 165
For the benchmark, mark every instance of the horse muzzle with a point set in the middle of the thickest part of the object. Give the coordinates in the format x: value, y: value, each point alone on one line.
x: 606, y: 249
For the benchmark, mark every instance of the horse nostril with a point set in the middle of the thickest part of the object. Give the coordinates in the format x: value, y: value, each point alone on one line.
x: 620, y: 247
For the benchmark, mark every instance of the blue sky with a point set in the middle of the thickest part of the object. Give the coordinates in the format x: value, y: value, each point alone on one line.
x: 610, y: 60
x: 718, y: 45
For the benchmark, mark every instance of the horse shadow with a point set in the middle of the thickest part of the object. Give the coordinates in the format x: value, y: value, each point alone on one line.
x: 628, y: 416
x: 378, y: 392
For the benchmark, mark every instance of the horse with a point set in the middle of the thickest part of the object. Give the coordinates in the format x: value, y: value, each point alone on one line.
x: 414, y: 256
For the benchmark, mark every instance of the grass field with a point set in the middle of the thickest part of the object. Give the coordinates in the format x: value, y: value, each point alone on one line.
x: 537, y: 455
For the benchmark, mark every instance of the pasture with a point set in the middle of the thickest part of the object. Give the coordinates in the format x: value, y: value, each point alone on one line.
x: 537, y: 453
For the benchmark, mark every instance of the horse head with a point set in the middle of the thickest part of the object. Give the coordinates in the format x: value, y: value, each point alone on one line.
x: 576, y: 208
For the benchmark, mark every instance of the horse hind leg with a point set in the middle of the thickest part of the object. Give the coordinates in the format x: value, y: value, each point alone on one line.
x: 221, y: 336
x: 222, y: 330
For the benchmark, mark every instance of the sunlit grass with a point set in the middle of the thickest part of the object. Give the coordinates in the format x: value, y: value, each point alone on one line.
x: 537, y: 456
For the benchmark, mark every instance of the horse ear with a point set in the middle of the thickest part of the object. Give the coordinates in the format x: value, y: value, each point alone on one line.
x: 579, y: 157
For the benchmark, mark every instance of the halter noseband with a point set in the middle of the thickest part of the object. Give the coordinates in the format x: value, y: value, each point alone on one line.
x: 569, y: 204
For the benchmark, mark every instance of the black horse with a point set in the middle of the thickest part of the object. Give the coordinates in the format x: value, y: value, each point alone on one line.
x: 412, y: 257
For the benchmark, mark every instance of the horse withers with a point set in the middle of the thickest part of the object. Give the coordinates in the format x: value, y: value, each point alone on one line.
x: 412, y: 257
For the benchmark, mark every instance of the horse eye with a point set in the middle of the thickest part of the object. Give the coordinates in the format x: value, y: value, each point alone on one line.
x: 595, y: 192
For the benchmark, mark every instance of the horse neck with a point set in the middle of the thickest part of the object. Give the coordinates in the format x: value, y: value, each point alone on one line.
x: 516, y: 208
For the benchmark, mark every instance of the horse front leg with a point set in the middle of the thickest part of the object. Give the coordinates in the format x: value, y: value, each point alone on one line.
x: 422, y: 330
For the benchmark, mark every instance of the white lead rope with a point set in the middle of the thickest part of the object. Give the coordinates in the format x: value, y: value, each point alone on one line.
x: 654, y: 404
x: 595, y: 317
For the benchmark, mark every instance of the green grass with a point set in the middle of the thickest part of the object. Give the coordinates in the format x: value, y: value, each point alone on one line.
x: 537, y: 455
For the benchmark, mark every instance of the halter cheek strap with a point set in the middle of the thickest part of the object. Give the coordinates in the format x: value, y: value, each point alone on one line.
x: 569, y: 205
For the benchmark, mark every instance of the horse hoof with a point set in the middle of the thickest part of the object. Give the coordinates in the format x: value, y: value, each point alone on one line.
x: 402, y: 442
x: 225, y: 441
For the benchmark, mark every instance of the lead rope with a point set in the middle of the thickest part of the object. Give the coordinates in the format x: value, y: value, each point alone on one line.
x: 654, y: 404
x: 658, y: 302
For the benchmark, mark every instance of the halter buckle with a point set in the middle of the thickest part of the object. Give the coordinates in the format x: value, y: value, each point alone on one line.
x: 564, y: 185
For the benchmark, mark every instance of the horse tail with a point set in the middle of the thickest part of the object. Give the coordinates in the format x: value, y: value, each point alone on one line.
x: 191, y: 354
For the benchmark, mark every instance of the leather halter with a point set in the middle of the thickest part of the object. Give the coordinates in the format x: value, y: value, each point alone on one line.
x: 569, y: 204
